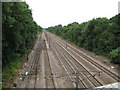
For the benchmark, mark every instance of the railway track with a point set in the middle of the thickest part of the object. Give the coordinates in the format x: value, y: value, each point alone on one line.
x: 102, y: 68
x: 48, y: 71
x: 72, y: 62
x: 88, y: 58
x: 32, y: 74
x: 30, y: 80
x: 91, y: 80
x: 70, y: 70
x: 65, y: 66
x: 84, y: 71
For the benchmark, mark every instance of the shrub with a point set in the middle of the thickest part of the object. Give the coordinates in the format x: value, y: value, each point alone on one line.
x: 115, y: 56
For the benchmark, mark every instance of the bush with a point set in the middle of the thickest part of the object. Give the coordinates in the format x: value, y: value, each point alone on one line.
x: 115, y: 56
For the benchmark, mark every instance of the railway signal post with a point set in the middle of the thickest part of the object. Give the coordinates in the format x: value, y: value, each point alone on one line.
x: 66, y: 42
x: 77, y: 78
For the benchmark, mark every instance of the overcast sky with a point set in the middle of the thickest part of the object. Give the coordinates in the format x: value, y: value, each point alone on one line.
x: 53, y: 12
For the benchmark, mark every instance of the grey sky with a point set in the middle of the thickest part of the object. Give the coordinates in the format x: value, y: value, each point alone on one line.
x: 53, y: 12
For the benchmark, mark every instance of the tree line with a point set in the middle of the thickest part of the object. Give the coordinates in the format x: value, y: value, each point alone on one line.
x: 19, y: 31
x: 100, y: 35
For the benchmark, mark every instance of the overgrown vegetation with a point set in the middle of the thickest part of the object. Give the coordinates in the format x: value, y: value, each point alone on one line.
x: 100, y: 35
x: 19, y: 33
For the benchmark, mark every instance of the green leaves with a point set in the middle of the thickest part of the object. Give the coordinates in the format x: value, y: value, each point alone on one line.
x: 19, y: 33
x: 115, y: 55
x: 19, y: 30
x: 100, y: 35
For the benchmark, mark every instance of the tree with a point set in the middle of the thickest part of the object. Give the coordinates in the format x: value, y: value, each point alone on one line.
x: 115, y: 56
x: 100, y: 35
x: 19, y: 31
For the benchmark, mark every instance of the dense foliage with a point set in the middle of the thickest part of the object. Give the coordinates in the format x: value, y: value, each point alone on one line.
x: 100, y: 35
x: 19, y: 31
